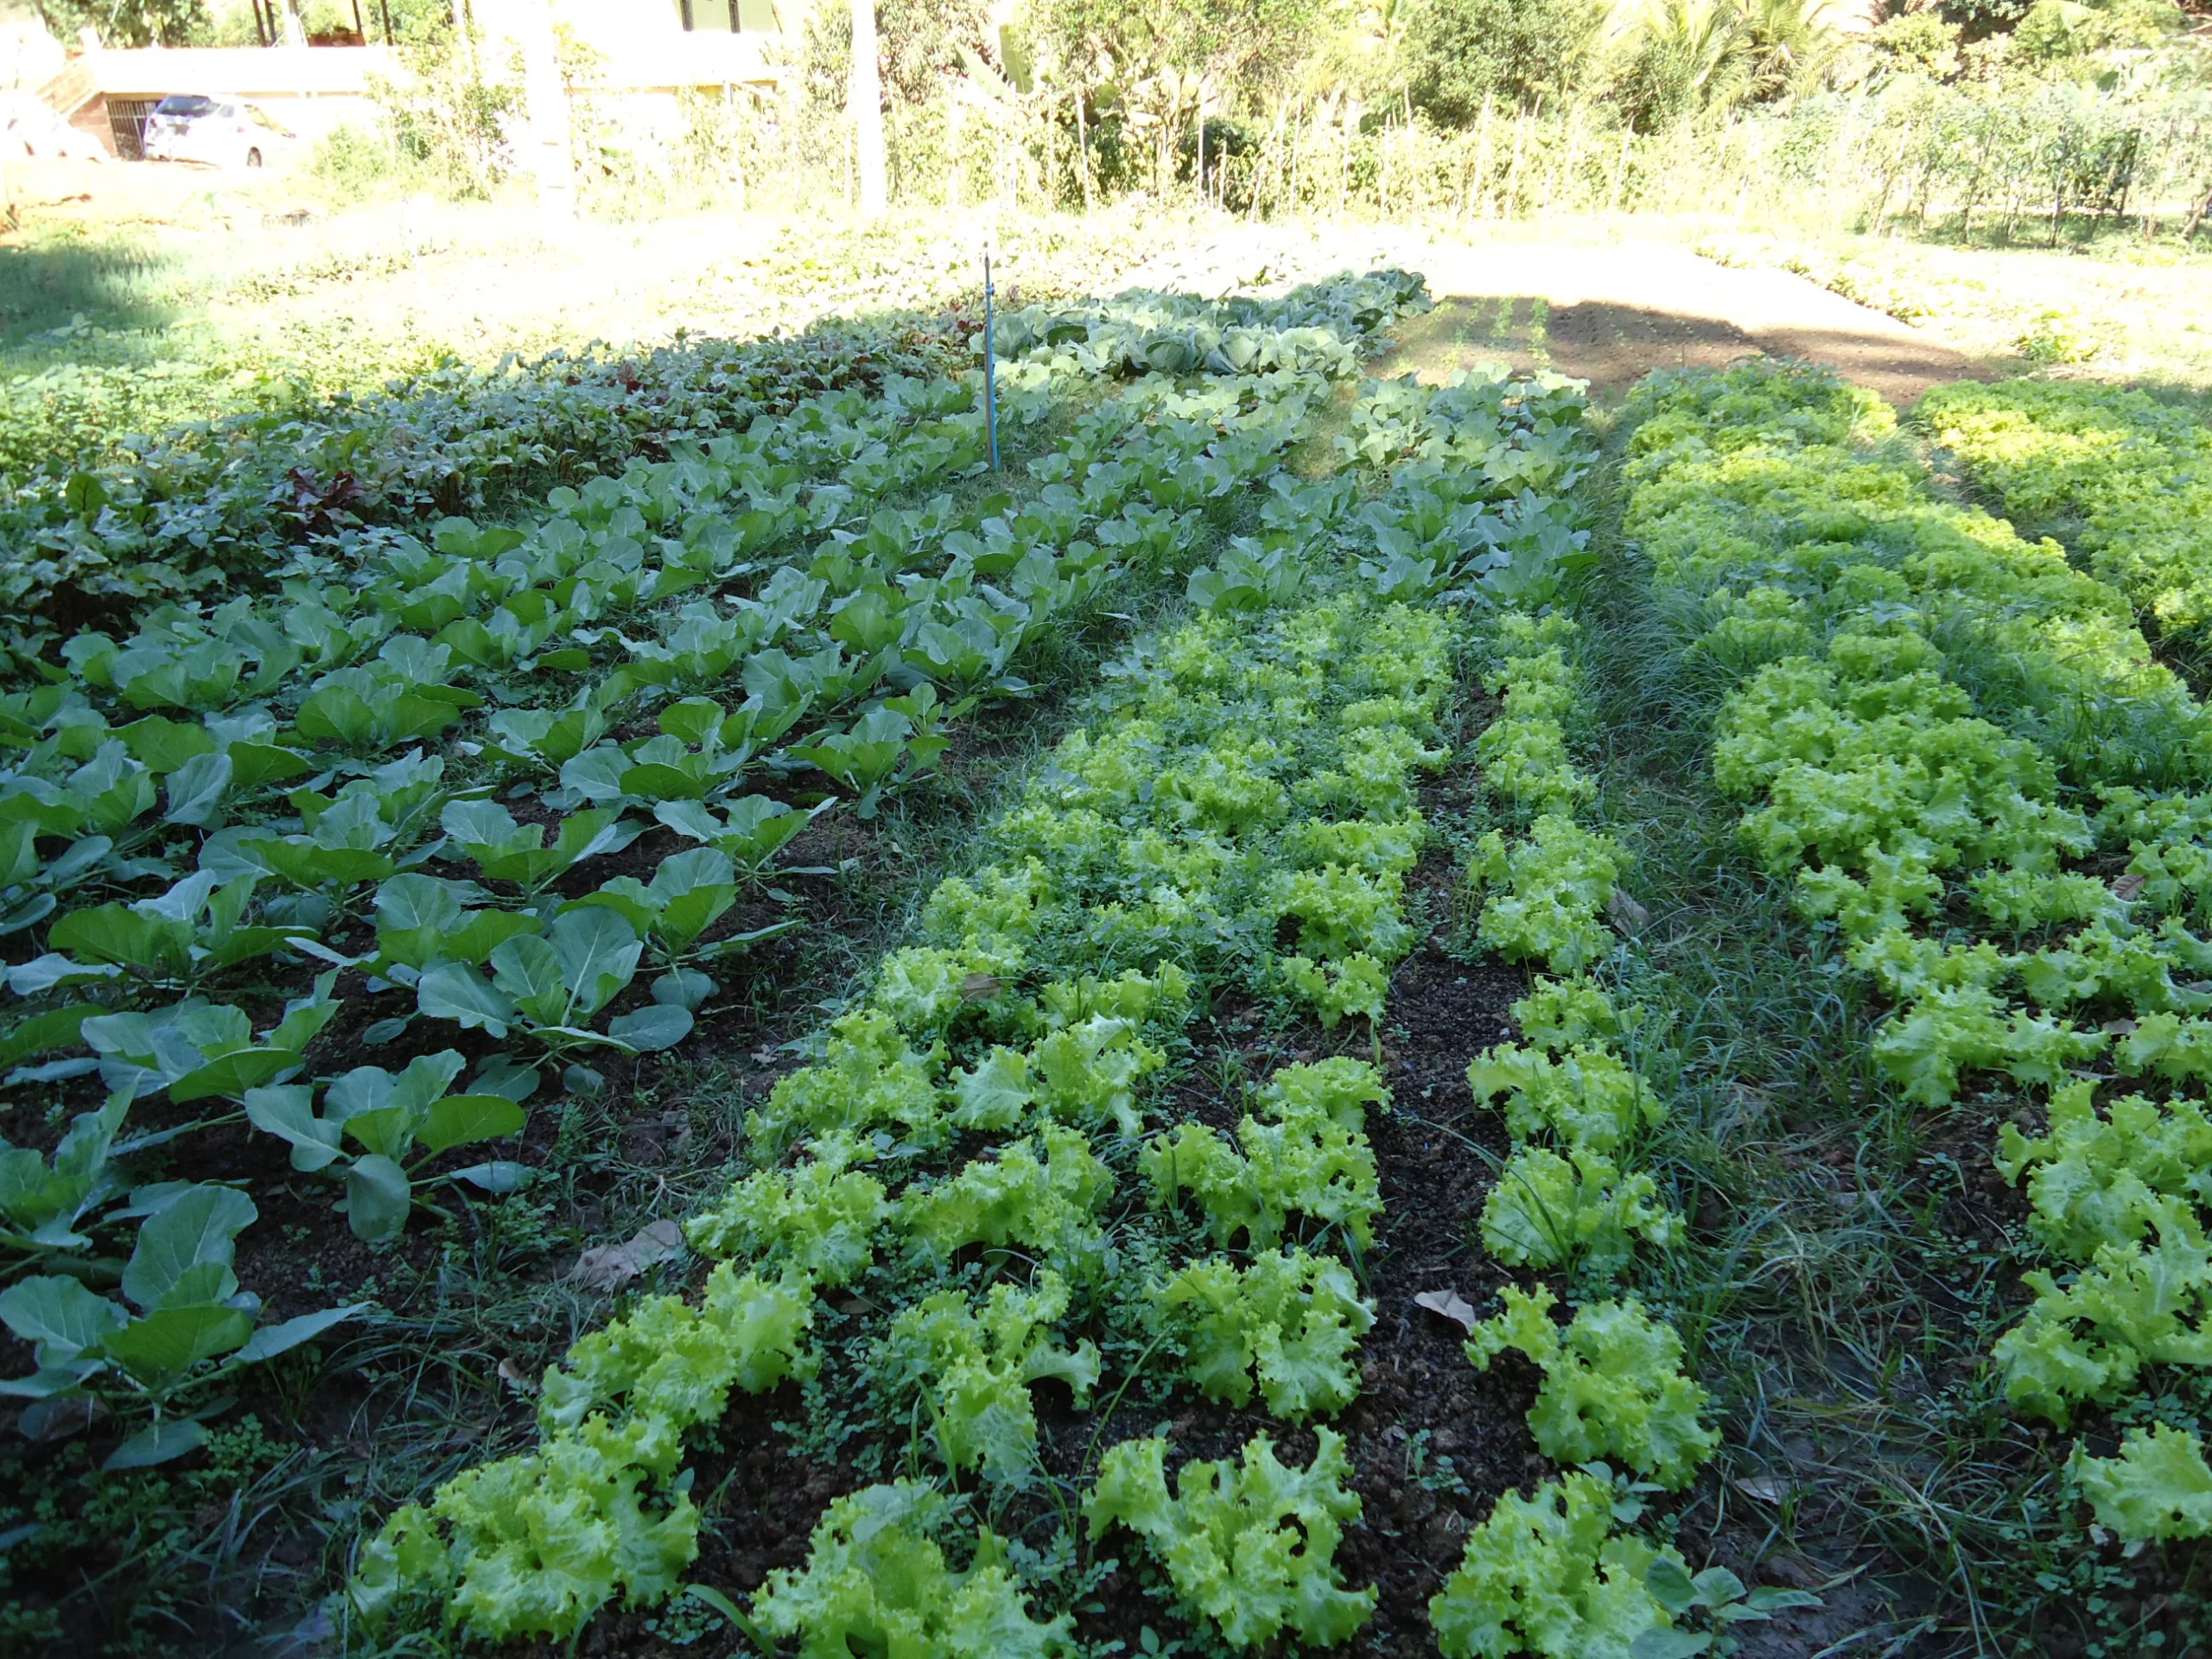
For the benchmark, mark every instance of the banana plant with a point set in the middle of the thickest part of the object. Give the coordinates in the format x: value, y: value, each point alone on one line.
x: 183, y: 1325
x: 550, y: 985
x: 399, y: 1122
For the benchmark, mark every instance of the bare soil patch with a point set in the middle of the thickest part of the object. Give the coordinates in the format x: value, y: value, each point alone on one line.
x: 1611, y: 314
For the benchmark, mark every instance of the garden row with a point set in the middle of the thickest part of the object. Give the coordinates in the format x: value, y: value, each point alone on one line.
x: 2130, y: 475
x: 219, y: 507
x: 1962, y: 753
x: 986, y: 1162
x: 260, y: 792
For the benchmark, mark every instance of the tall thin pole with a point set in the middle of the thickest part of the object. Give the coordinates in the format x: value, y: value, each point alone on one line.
x: 866, y: 96
x: 990, y: 367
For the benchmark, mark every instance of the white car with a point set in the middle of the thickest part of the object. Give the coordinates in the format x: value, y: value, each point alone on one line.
x: 216, y: 128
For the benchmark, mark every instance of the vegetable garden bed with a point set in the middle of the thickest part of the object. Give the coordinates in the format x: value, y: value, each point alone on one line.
x: 812, y: 1047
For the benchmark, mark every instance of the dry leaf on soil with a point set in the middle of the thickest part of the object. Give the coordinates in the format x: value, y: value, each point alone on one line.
x: 604, y: 1267
x: 1450, y: 1304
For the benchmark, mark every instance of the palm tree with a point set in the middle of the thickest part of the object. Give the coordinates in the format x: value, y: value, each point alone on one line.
x: 1685, y: 56
x: 1785, y: 46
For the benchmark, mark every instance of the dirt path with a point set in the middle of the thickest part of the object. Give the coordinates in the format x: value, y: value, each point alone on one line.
x: 1610, y: 314
x: 1597, y: 308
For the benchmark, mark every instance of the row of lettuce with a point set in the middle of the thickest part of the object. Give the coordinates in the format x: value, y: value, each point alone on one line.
x: 2127, y: 477
x: 1964, y: 756
x: 1564, y: 1572
x: 980, y: 1151
x: 326, y: 780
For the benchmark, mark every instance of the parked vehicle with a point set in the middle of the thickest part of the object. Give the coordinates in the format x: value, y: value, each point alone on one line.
x: 218, y: 130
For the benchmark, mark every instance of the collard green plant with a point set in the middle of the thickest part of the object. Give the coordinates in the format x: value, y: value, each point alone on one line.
x: 549, y: 985
x: 397, y: 1124
x: 182, y: 1322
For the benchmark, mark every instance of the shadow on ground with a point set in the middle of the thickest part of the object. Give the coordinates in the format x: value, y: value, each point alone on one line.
x: 1613, y: 346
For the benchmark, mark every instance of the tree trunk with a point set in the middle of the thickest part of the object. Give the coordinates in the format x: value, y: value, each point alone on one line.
x: 2198, y: 215
x: 866, y: 98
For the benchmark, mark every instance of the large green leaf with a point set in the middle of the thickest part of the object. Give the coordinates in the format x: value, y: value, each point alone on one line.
x: 462, y: 1119
x: 661, y: 1026
x: 289, y: 1114
x: 160, y: 1349
x: 152, y: 945
x: 274, y: 1339
x: 229, y: 1076
x: 60, y: 1315
x: 598, y: 952
x: 162, y: 1442
x: 695, y: 888
x: 529, y: 970
x: 198, y: 1226
x: 451, y: 990
x: 196, y: 790
x: 377, y: 1198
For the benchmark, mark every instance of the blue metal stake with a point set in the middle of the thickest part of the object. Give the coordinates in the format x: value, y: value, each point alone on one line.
x: 990, y: 368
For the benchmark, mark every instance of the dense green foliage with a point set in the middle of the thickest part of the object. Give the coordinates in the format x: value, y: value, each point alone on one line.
x: 2134, y: 472
x: 1459, y: 55
x: 1966, y: 755
x: 243, y: 801
x: 972, y: 1144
